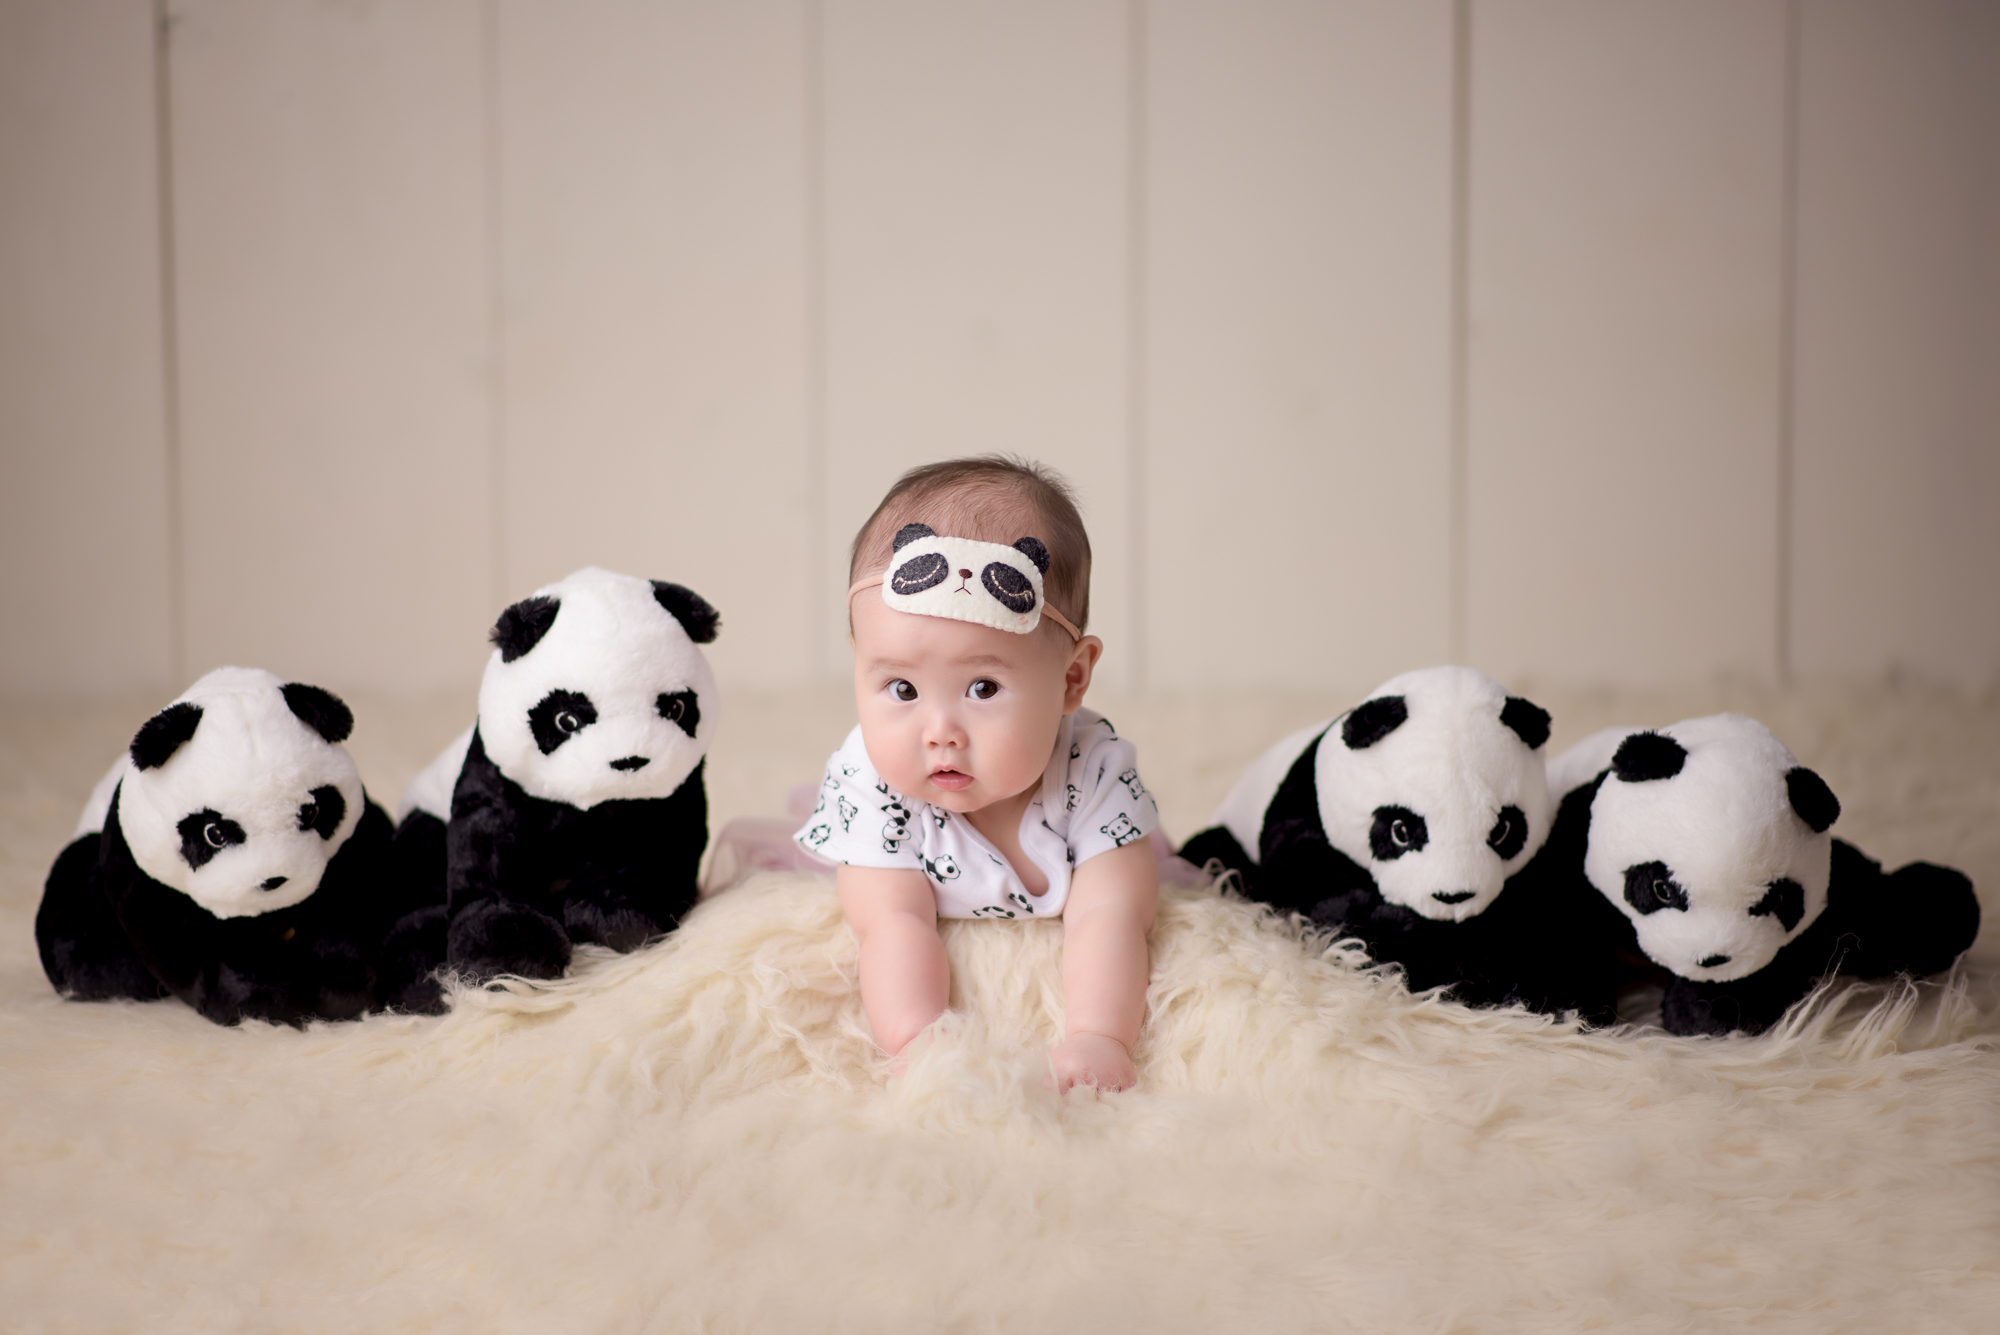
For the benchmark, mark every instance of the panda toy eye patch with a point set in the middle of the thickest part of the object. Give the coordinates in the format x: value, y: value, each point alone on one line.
x: 206, y: 833
x: 1397, y: 830
x: 1785, y: 899
x: 1650, y: 887
x: 560, y: 716
x: 682, y: 708
x: 323, y: 811
x: 1509, y: 834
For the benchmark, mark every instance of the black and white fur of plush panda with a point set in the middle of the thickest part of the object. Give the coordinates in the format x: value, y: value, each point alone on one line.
x: 1400, y: 823
x: 231, y: 859
x: 416, y: 950
x: 577, y: 810
x: 1712, y: 841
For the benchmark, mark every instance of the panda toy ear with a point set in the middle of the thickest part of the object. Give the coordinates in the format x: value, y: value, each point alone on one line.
x: 320, y: 709
x: 521, y: 627
x: 1033, y: 549
x: 689, y: 608
x: 1645, y: 756
x: 161, y: 735
x: 909, y: 533
x: 1812, y: 799
x: 1528, y: 720
x: 1372, y: 720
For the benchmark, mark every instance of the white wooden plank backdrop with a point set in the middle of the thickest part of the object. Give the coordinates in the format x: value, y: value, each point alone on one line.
x: 1298, y: 341
x: 653, y: 222
x: 976, y: 266
x: 86, y: 602
x: 334, y: 361
x: 1625, y: 337
x: 1896, y: 562
x: 466, y: 293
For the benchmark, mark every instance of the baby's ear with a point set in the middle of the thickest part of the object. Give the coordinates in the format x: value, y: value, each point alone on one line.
x: 1032, y: 549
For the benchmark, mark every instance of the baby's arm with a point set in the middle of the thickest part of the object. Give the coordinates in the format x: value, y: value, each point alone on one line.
x: 1106, y: 967
x: 905, y: 981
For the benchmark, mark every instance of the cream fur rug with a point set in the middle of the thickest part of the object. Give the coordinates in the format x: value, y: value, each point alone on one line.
x: 697, y: 1137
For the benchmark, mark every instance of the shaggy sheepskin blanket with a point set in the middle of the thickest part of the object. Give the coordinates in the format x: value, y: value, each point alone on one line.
x: 700, y: 1136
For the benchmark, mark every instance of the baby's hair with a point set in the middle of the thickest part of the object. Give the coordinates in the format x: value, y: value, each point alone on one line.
x: 992, y: 498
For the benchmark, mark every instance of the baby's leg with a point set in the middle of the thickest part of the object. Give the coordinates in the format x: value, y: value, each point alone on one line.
x: 1106, y: 967
x: 905, y: 981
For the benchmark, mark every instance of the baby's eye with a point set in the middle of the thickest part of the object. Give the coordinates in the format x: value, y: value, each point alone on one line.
x: 902, y: 690
x: 983, y: 689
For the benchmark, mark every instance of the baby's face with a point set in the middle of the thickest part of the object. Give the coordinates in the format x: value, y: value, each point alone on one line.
x: 961, y: 715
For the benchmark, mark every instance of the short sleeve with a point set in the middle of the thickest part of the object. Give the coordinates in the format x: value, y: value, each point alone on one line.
x: 1113, y: 807
x: 858, y: 820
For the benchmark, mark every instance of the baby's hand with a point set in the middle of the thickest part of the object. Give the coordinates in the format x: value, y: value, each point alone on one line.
x: 1091, y: 1059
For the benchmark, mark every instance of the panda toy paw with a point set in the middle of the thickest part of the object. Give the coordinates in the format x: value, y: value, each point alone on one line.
x: 492, y: 937
x: 1916, y: 920
x: 85, y: 953
x: 1689, y: 1009
x: 412, y: 954
x: 598, y: 909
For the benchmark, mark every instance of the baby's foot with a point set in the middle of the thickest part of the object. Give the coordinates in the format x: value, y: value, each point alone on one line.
x: 1091, y: 1059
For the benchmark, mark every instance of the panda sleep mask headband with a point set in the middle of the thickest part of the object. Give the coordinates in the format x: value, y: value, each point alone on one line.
x: 988, y: 583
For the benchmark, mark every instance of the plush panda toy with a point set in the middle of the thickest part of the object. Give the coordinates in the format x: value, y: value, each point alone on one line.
x: 1711, y: 840
x: 1401, y: 823
x: 230, y: 859
x: 576, y: 808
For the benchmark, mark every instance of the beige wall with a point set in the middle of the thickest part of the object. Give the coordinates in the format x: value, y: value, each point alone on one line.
x: 1587, y: 342
x: 87, y: 593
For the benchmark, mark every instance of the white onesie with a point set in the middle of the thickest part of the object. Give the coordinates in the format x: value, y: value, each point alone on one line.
x: 1091, y: 801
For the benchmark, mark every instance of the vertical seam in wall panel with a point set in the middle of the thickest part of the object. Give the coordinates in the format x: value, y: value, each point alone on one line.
x: 496, y: 310
x: 817, y: 519
x: 1788, y: 318
x: 170, y: 367
x: 1459, y: 539
x: 1137, y: 589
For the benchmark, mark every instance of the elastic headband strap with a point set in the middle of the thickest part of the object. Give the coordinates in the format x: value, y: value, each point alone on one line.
x: 1048, y: 610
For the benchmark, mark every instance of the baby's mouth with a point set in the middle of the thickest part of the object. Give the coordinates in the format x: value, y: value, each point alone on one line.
x: 950, y: 780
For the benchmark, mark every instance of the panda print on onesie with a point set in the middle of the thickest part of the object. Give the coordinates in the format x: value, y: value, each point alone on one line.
x: 1090, y: 801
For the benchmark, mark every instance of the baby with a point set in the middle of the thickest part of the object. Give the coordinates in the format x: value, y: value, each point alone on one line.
x: 975, y: 785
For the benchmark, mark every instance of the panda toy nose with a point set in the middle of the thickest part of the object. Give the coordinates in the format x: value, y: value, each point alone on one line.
x: 1452, y: 896
x: 629, y: 763
x: 1713, y: 961
x: 273, y: 883
x: 965, y: 574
